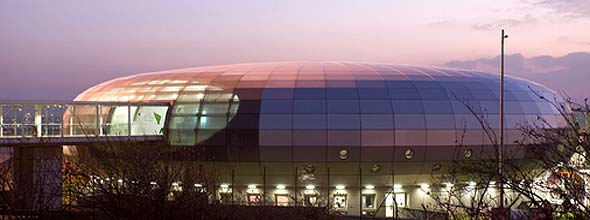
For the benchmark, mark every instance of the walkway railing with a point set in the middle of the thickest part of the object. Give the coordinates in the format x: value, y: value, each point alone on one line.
x: 81, y: 119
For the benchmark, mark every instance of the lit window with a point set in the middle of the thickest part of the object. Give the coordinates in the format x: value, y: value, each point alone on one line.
x: 340, y: 201
x: 253, y: 199
x: 369, y: 201
x: 310, y: 200
x: 281, y: 200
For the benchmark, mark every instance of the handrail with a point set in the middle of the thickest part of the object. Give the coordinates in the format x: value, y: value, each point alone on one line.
x: 26, y: 119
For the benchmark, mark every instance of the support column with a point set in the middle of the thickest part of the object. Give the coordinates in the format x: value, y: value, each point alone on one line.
x: 37, y: 177
x: 38, y: 122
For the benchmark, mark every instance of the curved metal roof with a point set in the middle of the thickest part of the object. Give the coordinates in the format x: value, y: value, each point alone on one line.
x: 334, y: 103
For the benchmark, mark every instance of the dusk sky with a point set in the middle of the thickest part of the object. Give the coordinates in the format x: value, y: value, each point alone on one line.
x: 52, y: 50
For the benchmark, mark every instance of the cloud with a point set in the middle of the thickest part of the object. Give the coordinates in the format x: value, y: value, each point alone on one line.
x: 438, y: 23
x: 570, y: 8
x: 506, y: 23
x: 569, y: 73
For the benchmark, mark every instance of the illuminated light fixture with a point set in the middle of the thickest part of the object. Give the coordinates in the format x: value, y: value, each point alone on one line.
x: 397, y: 186
x: 120, y: 181
x: 340, y: 187
x: 471, y: 183
x: 492, y: 183
x: 174, y: 184
x: 153, y: 183
x: 251, y: 186
x: 225, y: 186
x: 369, y: 187
x: 449, y: 185
x: 310, y: 187
x: 424, y: 186
x: 198, y: 185
x: 281, y: 186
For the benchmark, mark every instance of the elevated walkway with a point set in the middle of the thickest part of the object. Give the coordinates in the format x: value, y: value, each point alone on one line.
x: 34, y: 123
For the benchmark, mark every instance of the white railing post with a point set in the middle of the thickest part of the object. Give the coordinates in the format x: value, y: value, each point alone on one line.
x: 98, y: 130
x: 129, y: 120
x: 1, y: 120
x: 47, y: 121
x: 61, y: 125
x: 72, y: 115
x: 38, y: 121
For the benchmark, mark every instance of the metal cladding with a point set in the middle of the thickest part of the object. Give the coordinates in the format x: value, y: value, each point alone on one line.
x: 312, y: 111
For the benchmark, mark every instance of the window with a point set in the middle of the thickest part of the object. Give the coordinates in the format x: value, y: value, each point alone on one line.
x: 310, y: 200
x: 190, y: 109
x: 400, y: 199
x: 210, y: 122
x: 253, y: 199
x: 215, y: 108
x: 369, y: 201
x: 281, y: 200
x: 184, y: 122
x: 340, y: 201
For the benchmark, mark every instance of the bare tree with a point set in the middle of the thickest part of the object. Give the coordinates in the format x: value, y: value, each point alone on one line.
x: 30, y: 183
x: 545, y: 173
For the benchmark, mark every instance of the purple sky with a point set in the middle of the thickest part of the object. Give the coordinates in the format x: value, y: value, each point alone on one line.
x: 52, y: 50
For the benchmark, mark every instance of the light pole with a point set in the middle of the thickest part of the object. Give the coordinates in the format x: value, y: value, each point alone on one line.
x: 501, y: 146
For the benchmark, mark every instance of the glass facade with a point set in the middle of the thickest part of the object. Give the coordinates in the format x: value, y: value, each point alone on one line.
x: 312, y: 107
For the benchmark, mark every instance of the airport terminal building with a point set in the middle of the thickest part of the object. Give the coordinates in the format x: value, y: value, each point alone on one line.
x: 359, y: 137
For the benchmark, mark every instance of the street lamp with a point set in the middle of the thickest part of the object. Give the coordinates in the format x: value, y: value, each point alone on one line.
x: 501, y: 146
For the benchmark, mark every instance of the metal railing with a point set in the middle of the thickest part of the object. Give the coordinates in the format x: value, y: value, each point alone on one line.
x: 81, y: 119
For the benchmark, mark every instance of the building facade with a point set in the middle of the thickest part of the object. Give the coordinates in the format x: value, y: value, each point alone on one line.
x: 359, y: 137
